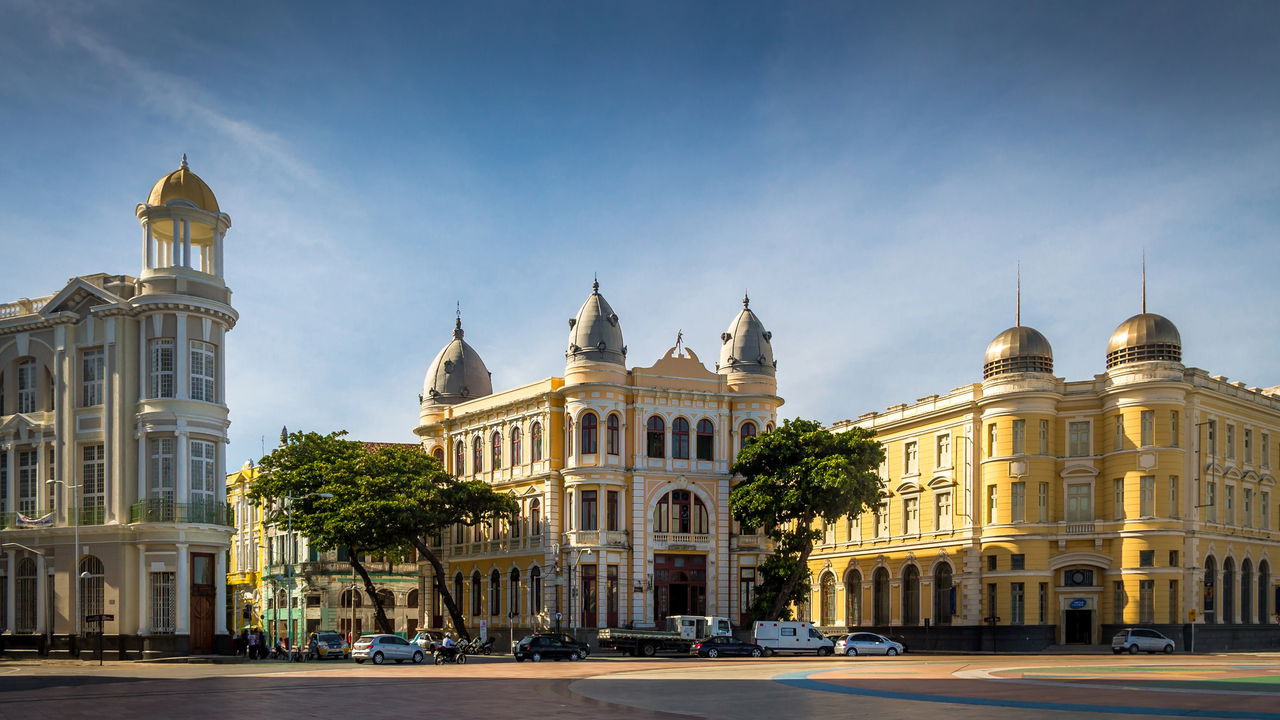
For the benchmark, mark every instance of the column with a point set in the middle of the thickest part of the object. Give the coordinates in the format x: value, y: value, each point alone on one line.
x: 182, y: 611
x: 181, y: 359
x: 174, y: 243
x: 186, y: 243
x: 144, y: 627
x: 42, y: 596
x: 148, y: 246
x: 217, y: 254
x: 112, y: 490
x: 10, y: 587
x: 142, y: 466
x: 11, y: 478
x: 182, y: 463
x: 42, y: 474
x: 220, y: 598
x: 220, y: 364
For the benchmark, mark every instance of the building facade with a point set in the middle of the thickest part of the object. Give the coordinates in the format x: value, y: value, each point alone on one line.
x: 113, y: 426
x: 621, y: 475
x: 1026, y: 510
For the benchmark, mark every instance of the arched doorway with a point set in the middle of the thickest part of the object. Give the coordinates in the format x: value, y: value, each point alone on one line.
x: 827, y: 612
x: 853, y: 597
x: 1208, y: 595
x: 1264, y: 588
x: 1228, y: 591
x: 911, y: 595
x: 1246, y: 591
x: 880, y: 597
x: 944, y: 598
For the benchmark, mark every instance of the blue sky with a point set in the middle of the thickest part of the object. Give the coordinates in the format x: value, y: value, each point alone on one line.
x: 871, y: 172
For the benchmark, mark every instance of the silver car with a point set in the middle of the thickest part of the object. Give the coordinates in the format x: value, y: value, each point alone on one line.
x: 381, y: 648
x: 865, y: 643
x: 1135, y: 640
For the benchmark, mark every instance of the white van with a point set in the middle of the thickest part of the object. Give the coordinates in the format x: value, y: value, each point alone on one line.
x: 781, y: 636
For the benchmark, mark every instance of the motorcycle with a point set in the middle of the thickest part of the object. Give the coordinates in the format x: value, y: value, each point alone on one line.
x: 458, y: 656
x: 485, y: 648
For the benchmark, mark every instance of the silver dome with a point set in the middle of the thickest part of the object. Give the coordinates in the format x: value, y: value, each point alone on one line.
x: 1018, y: 349
x: 746, y: 347
x: 595, y: 333
x: 1143, y: 338
x: 457, y: 374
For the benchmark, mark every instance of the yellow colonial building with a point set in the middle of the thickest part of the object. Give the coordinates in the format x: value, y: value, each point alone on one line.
x: 1028, y: 510
x: 622, y: 477
x: 248, y: 552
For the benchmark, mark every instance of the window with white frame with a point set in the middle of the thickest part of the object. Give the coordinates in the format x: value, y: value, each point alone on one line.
x: 162, y: 603
x: 1174, y: 511
x: 1148, y: 429
x: 1117, y: 502
x: 1019, y: 437
x: 1078, y: 439
x: 1042, y: 502
x: 27, y: 386
x: 1147, y: 496
x: 93, y: 483
x: 1017, y: 603
x: 882, y: 520
x: 1264, y: 505
x: 991, y: 439
x: 1173, y: 429
x: 1079, y: 502
x: 991, y: 504
x: 942, y: 511
x: 1231, y: 442
x: 1248, y: 446
x: 910, y: 458
x: 203, y: 471
x: 1211, y: 489
x: 1018, y: 502
x: 161, y: 475
x: 1211, y: 431
x: 943, y: 454
x: 911, y: 516
x: 1266, y: 450
x: 1044, y: 437
x: 1119, y: 444
x: 1247, y: 520
x: 1229, y: 512
x: 1146, y: 601
x: 28, y: 481
x: 203, y: 371
x: 93, y: 370
x: 162, y: 364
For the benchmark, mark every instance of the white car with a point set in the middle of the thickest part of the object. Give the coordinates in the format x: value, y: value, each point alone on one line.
x: 381, y: 648
x: 865, y: 643
x: 1135, y: 640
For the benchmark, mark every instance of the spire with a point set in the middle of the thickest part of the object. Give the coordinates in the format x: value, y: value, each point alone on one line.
x: 1017, y: 308
x: 746, y: 300
x: 183, y: 164
x: 595, y: 284
x: 1144, y: 281
x: 457, y: 323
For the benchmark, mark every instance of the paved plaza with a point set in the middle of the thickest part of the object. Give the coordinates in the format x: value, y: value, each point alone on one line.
x: 1047, y: 687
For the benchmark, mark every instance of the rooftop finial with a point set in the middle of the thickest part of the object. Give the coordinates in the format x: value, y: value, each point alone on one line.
x: 595, y: 284
x: 746, y: 300
x: 679, y: 342
x: 457, y: 324
x: 1144, y: 281
x: 1017, y: 307
x: 183, y: 164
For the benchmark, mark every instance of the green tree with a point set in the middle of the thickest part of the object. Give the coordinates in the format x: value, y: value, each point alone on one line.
x: 792, y: 479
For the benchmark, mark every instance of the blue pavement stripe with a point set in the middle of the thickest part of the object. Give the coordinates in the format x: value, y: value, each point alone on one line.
x: 801, y: 680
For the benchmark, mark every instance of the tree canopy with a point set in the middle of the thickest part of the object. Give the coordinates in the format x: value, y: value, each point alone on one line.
x: 792, y: 479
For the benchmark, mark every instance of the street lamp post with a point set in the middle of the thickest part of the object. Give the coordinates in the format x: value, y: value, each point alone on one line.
x: 288, y: 567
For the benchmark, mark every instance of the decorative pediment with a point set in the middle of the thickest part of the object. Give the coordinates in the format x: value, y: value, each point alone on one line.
x: 79, y: 296
x: 942, y: 481
x: 1080, y: 558
x: 1079, y: 472
x: 908, y: 487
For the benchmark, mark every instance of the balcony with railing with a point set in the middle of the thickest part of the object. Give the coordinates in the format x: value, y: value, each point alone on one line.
x: 1079, y: 528
x: 167, y: 511
x: 671, y: 541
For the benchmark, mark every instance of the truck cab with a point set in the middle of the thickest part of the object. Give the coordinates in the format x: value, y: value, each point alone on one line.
x: 788, y: 636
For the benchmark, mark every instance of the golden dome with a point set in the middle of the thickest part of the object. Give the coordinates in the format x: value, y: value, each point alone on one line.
x: 1018, y: 349
x: 1144, y: 338
x: 182, y: 184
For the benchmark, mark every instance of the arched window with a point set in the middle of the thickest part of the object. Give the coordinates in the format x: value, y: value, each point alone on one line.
x: 911, y: 595
x: 768, y: 428
x: 1210, y: 599
x: 680, y: 439
x: 516, y: 457
x: 91, y: 588
x: 457, y: 590
x: 611, y: 442
x: 1228, y: 591
x: 477, y: 455
x: 535, y: 442
x: 827, y: 610
x: 438, y: 454
x: 25, y: 590
x: 680, y: 511
x: 944, y: 596
x: 496, y: 442
x: 1246, y: 591
x: 387, y: 599
x: 411, y: 600
x: 535, y: 517
x: 495, y: 593
x: 657, y: 437
x: 568, y: 438
x: 706, y: 440
x: 590, y: 433
x: 459, y: 457
x: 1264, y: 591
x: 853, y: 597
x: 535, y: 590
x: 748, y: 431
x: 880, y: 597
x: 476, y: 607
x: 349, y: 597
x: 517, y: 520
x: 513, y: 597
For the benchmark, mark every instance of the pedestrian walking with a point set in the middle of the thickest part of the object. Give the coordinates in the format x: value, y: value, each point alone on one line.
x: 251, y: 649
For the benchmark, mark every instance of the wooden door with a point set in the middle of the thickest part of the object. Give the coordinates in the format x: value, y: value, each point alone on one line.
x: 203, y: 589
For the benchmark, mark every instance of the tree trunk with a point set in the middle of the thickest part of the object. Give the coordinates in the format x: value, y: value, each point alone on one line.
x: 379, y: 616
x: 784, y: 595
x: 442, y: 586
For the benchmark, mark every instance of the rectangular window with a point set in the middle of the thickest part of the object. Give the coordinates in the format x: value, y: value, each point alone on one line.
x: 1119, y: 444
x: 911, y: 516
x: 203, y: 478
x: 943, y: 457
x: 1212, y: 431
x: 162, y: 363
x: 162, y: 603
x: 1044, y: 602
x: 1266, y: 450
x: 882, y: 521
x: 991, y: 563
x: 611, y: 511
x: 1079, y: 503
x: 28, y: 481
x: 1146, y: 558
x: 162, y: 470
x: 1248, y: 446
x: 587, y: 519
x: 1117, y: 503
x: 746, y: 592
x: 1118, y: 600
x: 910, y: 458
x: 1044, y: 437
x: 1174, y: 510
x: 1078, y: 439
x: 1019, y: 502
x: 1019, y: 437
x: 1247, y: 510
x: 1211, y: 488
x: 93, y: 481
x: 991, y: 439
x: 1231, y: 441
x: 203, y: 387
x: 1018, y: 561
x: 1146, y: 601
x: 1173, y: 429
x: 1017, y: 603
x: 1147, y: 499
x: 1043, y: 502
x: 1264, y: 507
x: 1173, y: 558
x: 1148, y: 428
x: 1229, y: 512
x: 93, y: 367
x: 991, y: 504
x: 943, y: 511
x: 27, y: 386
x: 1174, y: 609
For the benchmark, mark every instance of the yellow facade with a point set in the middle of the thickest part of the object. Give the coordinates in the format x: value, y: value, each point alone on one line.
x: 1144, y: 495
x: 247, y: 555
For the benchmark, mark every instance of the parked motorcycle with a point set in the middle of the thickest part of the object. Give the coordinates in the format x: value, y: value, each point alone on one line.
x: 486, y: 648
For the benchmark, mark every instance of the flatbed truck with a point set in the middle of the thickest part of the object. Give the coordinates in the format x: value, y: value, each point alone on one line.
x: 681, y: 633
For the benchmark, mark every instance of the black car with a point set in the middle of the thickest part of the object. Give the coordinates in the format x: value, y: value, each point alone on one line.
x: 720, y: 645
x: 569, y: 640
x: 536, y: 648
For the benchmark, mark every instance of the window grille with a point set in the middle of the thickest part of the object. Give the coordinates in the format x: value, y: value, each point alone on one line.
x: 162, y: 603
x: 93, y: 371
x: 25, y: 601
x: 203, y: 372
x: 27, y: 386
x: 162, y: 363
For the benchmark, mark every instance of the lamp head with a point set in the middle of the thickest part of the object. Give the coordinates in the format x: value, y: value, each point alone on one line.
x: 85, y: 575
